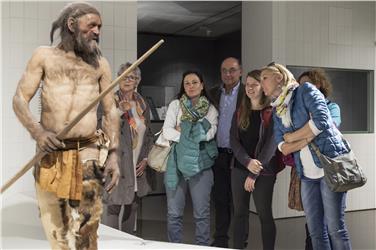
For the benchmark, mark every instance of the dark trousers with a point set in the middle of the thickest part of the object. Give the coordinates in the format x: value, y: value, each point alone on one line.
x: 262, y: 196
x: 222, y: 198
x: 128, y: 219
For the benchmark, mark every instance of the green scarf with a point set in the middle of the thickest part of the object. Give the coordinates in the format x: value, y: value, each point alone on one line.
x: 196, y: 112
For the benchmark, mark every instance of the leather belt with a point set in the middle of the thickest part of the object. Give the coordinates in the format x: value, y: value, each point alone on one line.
x: 225, y: 150
x: 78, y: 143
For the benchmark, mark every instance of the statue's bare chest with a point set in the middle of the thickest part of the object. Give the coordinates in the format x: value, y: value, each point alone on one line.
x: 63, y: 70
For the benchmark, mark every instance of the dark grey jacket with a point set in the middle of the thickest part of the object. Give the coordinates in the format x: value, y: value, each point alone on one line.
x: 124, y: 192
x: 215, y: 95
x: 266, y: 147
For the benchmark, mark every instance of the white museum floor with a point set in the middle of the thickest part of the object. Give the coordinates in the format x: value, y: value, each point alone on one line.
x: 22, y: 229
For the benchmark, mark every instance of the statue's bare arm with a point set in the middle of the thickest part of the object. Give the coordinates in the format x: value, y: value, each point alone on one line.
x: 26, y: 89
x: 111, y: 126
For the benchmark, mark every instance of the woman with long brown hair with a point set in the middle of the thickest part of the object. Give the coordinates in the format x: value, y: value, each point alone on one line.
x: 190, y: 125
x: 255, y: 165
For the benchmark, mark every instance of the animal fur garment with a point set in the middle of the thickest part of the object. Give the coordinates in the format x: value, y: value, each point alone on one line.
x: 81, y: 218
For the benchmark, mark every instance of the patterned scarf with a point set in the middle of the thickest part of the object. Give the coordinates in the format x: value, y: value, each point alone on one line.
x: 126, y: 107
x: 283, y: 102
x: 196, y: 112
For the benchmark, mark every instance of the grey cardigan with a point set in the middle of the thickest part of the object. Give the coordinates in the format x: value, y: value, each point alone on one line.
x: 124, y: 193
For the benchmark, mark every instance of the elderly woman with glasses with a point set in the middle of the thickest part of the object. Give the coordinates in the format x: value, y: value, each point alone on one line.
x: 301, y: 116
x: 135, y: 143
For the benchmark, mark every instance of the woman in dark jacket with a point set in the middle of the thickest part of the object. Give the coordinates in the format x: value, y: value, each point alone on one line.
x: 255, y: 165
x: 136, y: 140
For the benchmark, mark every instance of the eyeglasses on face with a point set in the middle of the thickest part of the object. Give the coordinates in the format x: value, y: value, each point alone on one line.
x: 231, y: 70
x: 130, y: 78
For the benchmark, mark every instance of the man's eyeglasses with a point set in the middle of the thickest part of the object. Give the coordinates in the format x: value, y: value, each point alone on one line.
x: 231, y: 71
x: 130, y: 78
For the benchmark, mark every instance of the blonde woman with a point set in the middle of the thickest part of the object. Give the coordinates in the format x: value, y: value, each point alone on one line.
x: 301, y: 115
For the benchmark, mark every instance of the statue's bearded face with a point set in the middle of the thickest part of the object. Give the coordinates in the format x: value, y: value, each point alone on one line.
x: 86, y: 35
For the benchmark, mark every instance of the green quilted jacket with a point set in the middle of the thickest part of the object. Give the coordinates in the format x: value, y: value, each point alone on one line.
x: 192, y: 154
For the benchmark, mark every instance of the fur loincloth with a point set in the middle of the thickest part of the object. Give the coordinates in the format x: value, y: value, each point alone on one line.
x: 81, y: 220
x: 61, y: 172
x: 72, y: 224
x: 66, y: 176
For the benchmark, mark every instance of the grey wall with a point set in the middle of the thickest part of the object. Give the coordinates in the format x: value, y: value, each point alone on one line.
x: 352, y: 92
x: 226, y: 46
x: 178, y: 54
x: 257, y: 34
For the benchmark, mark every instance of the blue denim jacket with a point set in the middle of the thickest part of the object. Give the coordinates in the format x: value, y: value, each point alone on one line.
x: 309, y: 103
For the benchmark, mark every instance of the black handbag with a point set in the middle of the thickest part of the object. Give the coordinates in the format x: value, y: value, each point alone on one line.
x: 343, y: 172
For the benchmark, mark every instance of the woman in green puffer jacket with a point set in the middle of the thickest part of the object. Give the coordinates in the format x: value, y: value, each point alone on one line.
x: 191, y: 124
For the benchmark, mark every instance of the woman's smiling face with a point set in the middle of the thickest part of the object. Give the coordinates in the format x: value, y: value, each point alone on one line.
x: 192, y: 85
x: 253, y: 88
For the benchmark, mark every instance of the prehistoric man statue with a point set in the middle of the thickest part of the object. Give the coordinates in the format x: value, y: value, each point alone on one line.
x: 70, y: 178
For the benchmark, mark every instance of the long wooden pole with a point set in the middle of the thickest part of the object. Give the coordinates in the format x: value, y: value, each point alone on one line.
x: 72, y: 123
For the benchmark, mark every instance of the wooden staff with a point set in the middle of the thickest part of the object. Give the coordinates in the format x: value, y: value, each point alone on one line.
x: 67, y: 128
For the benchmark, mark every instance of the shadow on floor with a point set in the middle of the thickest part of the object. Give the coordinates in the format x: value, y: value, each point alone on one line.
x: 290, y: 231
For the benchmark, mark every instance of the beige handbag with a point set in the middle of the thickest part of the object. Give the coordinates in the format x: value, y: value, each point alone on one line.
x: 158, y: 155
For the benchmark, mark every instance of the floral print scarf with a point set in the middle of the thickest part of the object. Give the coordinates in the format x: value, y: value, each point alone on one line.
x: 196, y: 112
x: 125, y: 106
x: 283, y: 104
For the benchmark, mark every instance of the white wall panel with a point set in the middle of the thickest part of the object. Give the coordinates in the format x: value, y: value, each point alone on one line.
x: 257, y: 43
x: 323, y: 34
x: 364, y: 148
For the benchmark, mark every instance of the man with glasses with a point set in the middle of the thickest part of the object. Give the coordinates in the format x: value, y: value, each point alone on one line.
x: 226, y: 97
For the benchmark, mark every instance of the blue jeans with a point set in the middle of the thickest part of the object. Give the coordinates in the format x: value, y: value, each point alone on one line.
x: 325, y: 215
x: 200, y: 187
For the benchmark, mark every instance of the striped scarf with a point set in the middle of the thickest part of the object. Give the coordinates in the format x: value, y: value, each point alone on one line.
x: 125, y: 106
